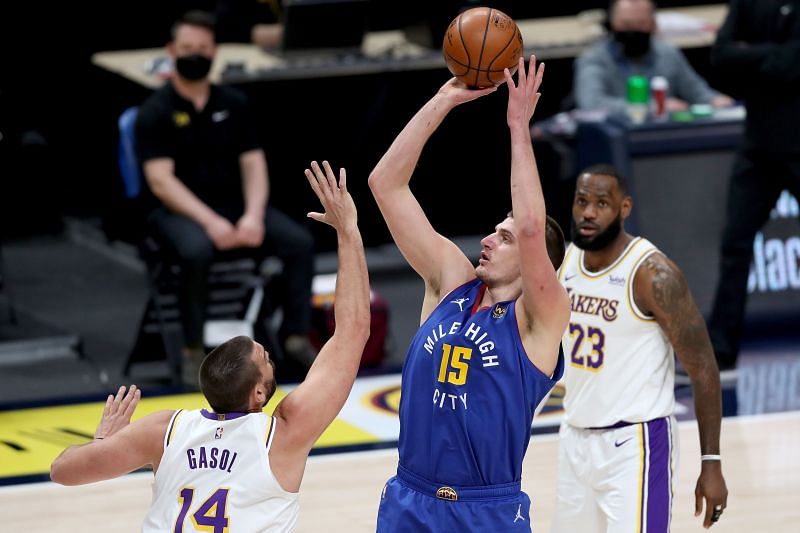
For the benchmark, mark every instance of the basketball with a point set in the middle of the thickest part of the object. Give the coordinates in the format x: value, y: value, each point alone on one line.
x: 479, y: 44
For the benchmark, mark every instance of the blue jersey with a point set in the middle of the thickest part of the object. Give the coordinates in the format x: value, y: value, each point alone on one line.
x: 469, y: 393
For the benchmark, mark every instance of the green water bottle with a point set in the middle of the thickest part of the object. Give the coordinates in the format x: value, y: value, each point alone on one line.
x: 638, y: 98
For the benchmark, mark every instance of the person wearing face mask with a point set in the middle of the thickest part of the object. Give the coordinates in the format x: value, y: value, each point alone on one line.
x: 205, y: 168
x: 602, y: 71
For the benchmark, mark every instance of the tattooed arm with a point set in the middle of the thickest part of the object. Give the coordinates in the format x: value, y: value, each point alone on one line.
x: 660, y: 290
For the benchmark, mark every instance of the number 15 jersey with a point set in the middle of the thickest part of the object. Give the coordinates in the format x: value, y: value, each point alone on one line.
x: 620, y: 366
x: 469, y: 393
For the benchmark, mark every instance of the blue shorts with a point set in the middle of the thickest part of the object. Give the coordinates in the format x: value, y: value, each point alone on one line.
x: 414, y: 505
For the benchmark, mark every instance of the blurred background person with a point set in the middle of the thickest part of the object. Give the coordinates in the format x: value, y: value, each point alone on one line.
x: 602, y: 70
x: 203, y: 163
x: 758, y: 52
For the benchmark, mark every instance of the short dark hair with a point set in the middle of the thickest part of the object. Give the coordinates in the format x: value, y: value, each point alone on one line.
x: 554, y: 240
x: 201, y: 19
x: 604, y: 169
x: 554, y: 237
x: 228, y: 375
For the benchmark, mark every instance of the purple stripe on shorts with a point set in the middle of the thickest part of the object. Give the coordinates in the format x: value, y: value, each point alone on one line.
x: 659, y: 471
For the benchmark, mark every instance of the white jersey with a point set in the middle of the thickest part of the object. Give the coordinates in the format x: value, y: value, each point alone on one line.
x: 620, y: 365
x: 215, y: 476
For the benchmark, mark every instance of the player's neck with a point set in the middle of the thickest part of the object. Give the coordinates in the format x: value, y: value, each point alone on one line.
x: 596, y: 260
x: 501, y: 293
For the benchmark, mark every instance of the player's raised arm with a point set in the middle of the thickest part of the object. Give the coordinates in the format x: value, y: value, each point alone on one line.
x: 437, y: 260
x: 545, y: 305
x: 310, y: 408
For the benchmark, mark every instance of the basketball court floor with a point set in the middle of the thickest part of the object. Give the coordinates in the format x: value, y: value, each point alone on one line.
x: 353, y: 459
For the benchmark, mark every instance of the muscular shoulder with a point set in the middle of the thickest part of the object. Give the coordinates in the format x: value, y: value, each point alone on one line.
x: 659, y: 284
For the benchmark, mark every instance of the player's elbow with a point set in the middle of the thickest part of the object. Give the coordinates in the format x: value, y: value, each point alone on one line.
x: 376, y: 182
x: 361, y: 328
x: 60, y: 473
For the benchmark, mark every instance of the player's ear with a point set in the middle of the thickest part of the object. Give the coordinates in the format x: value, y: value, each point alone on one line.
x: 625, y: 208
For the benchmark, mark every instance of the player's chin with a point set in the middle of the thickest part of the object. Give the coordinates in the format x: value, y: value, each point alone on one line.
x: 481, y: 273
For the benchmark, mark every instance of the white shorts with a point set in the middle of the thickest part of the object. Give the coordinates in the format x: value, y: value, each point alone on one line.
x: 617, y: 480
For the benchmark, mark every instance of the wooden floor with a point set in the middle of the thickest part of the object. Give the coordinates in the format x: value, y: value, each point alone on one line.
x: 340, y: 493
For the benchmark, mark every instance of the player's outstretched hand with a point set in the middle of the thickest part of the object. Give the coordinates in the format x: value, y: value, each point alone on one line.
x: 457, y: 93
x: 524, y: 95
x: 118, y: 411
x: 340, y: 210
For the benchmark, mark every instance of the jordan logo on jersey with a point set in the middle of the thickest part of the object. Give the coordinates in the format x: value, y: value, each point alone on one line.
x: 460, y: 303
x: 519, y: 514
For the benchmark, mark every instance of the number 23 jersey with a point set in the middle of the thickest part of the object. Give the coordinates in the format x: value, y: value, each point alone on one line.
x: 469, y: 393
x: 619, y: 364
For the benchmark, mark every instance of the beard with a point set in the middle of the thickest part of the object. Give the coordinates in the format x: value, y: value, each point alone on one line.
x: 598, y: 241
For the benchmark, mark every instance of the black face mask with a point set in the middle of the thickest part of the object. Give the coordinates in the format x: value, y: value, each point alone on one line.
x: 634, y: 43
x: 193, y: 67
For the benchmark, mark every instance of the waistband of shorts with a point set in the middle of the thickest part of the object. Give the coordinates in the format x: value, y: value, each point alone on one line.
x: 456, y: 492
x: 622, y: 424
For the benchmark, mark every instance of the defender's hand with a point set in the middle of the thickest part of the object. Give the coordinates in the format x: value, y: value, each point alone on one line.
x: 340, y: 210
x: 118, y: 411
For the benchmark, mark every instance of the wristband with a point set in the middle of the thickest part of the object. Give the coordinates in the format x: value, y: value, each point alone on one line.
x: 710, y: 457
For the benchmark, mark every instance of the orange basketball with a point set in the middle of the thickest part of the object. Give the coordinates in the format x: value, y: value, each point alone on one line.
x: 479, y: 44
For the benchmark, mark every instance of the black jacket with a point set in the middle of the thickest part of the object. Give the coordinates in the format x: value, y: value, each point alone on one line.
x: 758, y: 52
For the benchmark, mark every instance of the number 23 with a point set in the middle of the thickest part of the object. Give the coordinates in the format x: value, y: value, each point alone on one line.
x: 594, y: 359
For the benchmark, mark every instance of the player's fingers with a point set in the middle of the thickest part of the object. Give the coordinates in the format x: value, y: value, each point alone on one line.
x: 509, y: 79
x: 539, y: 76
x: 322, y: 180
x: 330, y: 176
x: 713, y: 513
x: 343, y: 179
x: 319, y: 217
x: 107, y: 406
x: 129, y: 398
x: 698, y: 503
x: 118, y: 398
x: 531, y: 77
x: 312, y: 180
